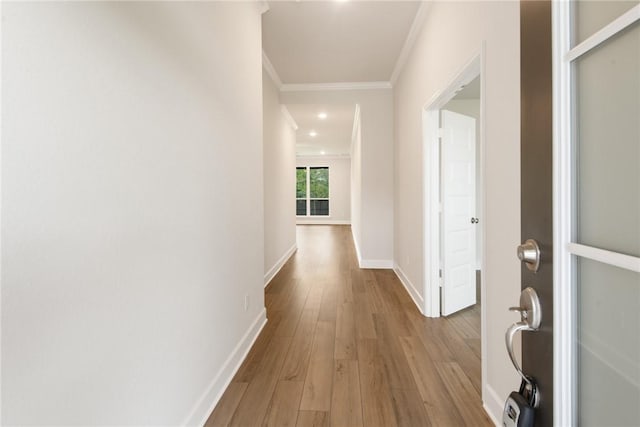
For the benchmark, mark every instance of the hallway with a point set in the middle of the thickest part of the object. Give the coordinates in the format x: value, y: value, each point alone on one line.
x: 347, y: 347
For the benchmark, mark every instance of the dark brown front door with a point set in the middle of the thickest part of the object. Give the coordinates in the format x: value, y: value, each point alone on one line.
x: 536, y: 190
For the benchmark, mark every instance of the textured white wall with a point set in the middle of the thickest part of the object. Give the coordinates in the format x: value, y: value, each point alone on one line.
x: 339, y: 188
x: 452, y: 34
x: 279, y: 180
x: 132, y: 225
x: 376, y: 165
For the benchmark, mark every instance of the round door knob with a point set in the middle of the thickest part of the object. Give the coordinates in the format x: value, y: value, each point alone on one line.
x: 529, y: 253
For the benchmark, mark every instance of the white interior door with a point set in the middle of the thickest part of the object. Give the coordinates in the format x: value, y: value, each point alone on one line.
x: 458, y: 186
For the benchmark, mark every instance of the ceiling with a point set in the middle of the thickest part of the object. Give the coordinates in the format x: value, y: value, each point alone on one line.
x: 336, y: 41
x: 333, y: 133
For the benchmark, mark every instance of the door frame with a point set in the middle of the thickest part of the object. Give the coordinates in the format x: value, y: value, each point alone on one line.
x: 431, y: 185
x: 431, y: 194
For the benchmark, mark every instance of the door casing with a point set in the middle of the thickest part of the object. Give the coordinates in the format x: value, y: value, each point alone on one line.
x: 431, y: 191
x: 431, y: 187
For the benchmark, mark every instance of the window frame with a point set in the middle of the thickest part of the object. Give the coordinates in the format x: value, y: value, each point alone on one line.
x: 308, y: 197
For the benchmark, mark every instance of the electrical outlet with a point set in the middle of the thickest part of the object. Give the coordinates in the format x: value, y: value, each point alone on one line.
x: 246, y: 302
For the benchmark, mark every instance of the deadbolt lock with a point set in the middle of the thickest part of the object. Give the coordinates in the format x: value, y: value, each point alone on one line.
x: 529, y: 253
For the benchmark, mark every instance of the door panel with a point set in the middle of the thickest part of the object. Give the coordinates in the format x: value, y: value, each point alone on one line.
x: 608, y: 345
x: 458, y: 207
x: 591, y: 15
x: 606, y: 90
x: 597, y: 195
x: 536, y: 190
x: 607, y: 135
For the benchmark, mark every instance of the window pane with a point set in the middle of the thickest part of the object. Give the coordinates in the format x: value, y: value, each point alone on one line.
x: 301, y: 183
x: 608, y: 345
x: 319, y: 207
x: 590, y: 16
x: 319, y: 183
x: 608, y: 144
x: 301, y: 207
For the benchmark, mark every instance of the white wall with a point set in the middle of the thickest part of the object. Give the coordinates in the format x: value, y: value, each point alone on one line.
x: 471, y: 108
x: 452, y: 34
x: 339, y: 188
x: 279, y: 140
x: 376, y: 167
x: 132, y: 225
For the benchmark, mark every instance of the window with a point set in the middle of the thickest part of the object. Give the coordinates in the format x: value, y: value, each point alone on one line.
x: 312, y: 191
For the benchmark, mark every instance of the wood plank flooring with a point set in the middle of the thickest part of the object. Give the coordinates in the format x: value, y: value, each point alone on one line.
x: 347, y: 347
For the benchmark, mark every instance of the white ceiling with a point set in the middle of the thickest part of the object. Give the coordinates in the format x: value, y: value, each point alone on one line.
x: 336, y: 41
x: 333, y: 133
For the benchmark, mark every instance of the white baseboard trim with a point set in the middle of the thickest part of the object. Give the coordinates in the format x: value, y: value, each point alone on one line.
x: 278, y: 265
x: 413, y: 292
x: 376, y: 263
x: 323, y: 222
x: 206, y: 404
x: 493, y: 405
x: 370, y: 263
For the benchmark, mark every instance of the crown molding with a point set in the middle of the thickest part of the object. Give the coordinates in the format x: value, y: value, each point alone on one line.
x: 288, y: 117
x: 268, y: 67
x: 323, y: 156
x: 418, y: 22
x: 314, y: 87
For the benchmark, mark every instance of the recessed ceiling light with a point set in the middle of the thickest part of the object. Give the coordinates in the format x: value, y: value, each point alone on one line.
x: 313, y: 133
x: 322, y: 152
x: 322, y: 116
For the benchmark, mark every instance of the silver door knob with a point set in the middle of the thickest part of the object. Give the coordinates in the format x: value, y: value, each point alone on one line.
x: 529, y: 253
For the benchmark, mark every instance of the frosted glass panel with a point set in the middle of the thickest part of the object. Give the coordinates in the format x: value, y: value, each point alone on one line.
x: 590, y: 16
x: 608, y: 345
x: 608, y: 144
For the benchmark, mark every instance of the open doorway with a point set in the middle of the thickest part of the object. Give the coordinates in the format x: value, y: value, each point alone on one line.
x: 453, y: 220
x: 457, y: 110
x: 460, y: 196
x: 323, y: 162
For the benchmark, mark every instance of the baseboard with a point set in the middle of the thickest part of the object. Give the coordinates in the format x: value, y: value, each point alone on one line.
x: 370, y: 263
x: 278, y: 265
x: 413, y: 292
x: 493, y: 405
x: 323, y: 222
x: 209, y: 399
x: 376, y: 263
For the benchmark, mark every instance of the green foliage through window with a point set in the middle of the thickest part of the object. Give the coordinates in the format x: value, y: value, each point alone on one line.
x: 319, y: 183
x: 301, y: 183
x: 312, y: 191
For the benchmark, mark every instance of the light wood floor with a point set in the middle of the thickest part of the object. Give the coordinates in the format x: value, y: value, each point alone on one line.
x: 347, y: 347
